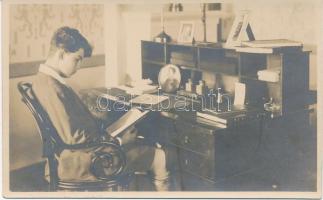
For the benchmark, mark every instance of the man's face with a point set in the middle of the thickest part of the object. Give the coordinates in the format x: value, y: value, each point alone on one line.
x: 70, y: 62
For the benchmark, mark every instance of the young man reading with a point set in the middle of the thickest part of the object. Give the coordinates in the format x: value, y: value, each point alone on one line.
x: 74, y: 122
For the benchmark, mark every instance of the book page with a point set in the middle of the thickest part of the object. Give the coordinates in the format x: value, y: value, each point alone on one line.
x: 126, y: 121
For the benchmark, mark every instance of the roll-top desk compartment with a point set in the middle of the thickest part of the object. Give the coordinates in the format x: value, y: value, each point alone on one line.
x: 218, y: 60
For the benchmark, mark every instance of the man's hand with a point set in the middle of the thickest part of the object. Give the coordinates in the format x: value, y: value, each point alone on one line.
x: 129, y: 135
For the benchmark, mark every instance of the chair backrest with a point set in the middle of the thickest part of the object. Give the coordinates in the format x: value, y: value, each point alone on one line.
x: 50, y: 139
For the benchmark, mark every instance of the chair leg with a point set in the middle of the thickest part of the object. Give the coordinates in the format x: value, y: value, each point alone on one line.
x: 52, y: 185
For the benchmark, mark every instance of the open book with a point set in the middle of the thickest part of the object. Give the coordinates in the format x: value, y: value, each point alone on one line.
x: 126, y: 121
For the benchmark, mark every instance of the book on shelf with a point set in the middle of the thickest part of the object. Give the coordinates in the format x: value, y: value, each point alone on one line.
x: 183, y: 56
x: 129, y: 119
x: 272, y: 43
x: 182, y: 62
x: 222, y: 66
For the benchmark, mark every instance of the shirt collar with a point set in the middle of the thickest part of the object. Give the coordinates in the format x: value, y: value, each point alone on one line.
x: 49, y: 71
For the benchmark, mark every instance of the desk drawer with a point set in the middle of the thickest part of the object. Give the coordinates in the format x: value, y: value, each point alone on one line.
x: 197, y: 164
x: 194, y: 137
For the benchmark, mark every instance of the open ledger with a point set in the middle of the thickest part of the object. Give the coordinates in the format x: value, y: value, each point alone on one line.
x: 133, y: 116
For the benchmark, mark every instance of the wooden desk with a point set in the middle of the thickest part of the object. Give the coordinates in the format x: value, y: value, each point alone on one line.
x: 254, y: 156
x: 205, y: 152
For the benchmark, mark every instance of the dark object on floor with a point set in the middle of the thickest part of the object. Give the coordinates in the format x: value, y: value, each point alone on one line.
x: 29, y: 179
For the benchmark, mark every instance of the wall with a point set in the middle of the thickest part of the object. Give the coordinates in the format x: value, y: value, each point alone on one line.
x: 193, y: 13
x: 136, y: 29
x: 126, y: 28
x: 31, y: 27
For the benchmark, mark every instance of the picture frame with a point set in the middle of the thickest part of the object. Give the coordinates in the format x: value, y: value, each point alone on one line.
x: 240, y: 26
x: 186, y: 32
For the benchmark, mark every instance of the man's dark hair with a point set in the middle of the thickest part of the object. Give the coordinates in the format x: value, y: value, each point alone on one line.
x: 70, y: 40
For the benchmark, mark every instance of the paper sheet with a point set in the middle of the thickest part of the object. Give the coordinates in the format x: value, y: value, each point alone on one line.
x: 240, y: 93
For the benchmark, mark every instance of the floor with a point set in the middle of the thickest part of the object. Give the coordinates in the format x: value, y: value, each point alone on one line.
x: 294, y: 173
x: 31, y: 179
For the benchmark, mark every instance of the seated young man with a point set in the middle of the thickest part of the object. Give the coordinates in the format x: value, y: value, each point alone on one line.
x: 74, y: 122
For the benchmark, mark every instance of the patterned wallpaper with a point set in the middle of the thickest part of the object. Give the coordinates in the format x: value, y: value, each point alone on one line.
x: 32, y: 26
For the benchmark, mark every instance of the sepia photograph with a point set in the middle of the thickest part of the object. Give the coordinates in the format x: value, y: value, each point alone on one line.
x: 161, y: 99
x: 186, y: 32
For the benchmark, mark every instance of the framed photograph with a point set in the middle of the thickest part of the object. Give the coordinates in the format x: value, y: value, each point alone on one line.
x: 186, y: 32
x: 239, y: 27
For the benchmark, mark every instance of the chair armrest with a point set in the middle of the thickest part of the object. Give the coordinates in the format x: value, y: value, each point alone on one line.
x: 109, y: 162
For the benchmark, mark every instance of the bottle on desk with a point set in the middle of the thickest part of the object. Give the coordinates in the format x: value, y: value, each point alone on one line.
x: 201, y: 88
x: 189, y: 87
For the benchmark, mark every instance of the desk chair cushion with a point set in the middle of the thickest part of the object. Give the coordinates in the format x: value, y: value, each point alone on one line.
x: 92, y: 168
x: 69, y: 168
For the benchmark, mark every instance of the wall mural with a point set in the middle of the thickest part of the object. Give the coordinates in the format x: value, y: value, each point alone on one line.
x: 32, y: 26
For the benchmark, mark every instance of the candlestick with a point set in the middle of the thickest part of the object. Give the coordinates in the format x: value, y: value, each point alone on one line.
x: 204, y: 22
x: 203, y: 18
x: 162, y: 18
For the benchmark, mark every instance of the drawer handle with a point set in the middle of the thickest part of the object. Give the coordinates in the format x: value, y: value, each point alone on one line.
x: 186, y: 139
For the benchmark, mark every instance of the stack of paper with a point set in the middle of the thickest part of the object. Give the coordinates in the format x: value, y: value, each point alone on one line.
x: 138, y: 87
x: 268, y: 75
x: 138, y: 90
x: 211, y: 117
x: 210, y: 122
x: 140, y: 82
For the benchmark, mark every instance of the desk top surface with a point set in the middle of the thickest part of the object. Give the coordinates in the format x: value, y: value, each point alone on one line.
x: 178, y: 107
